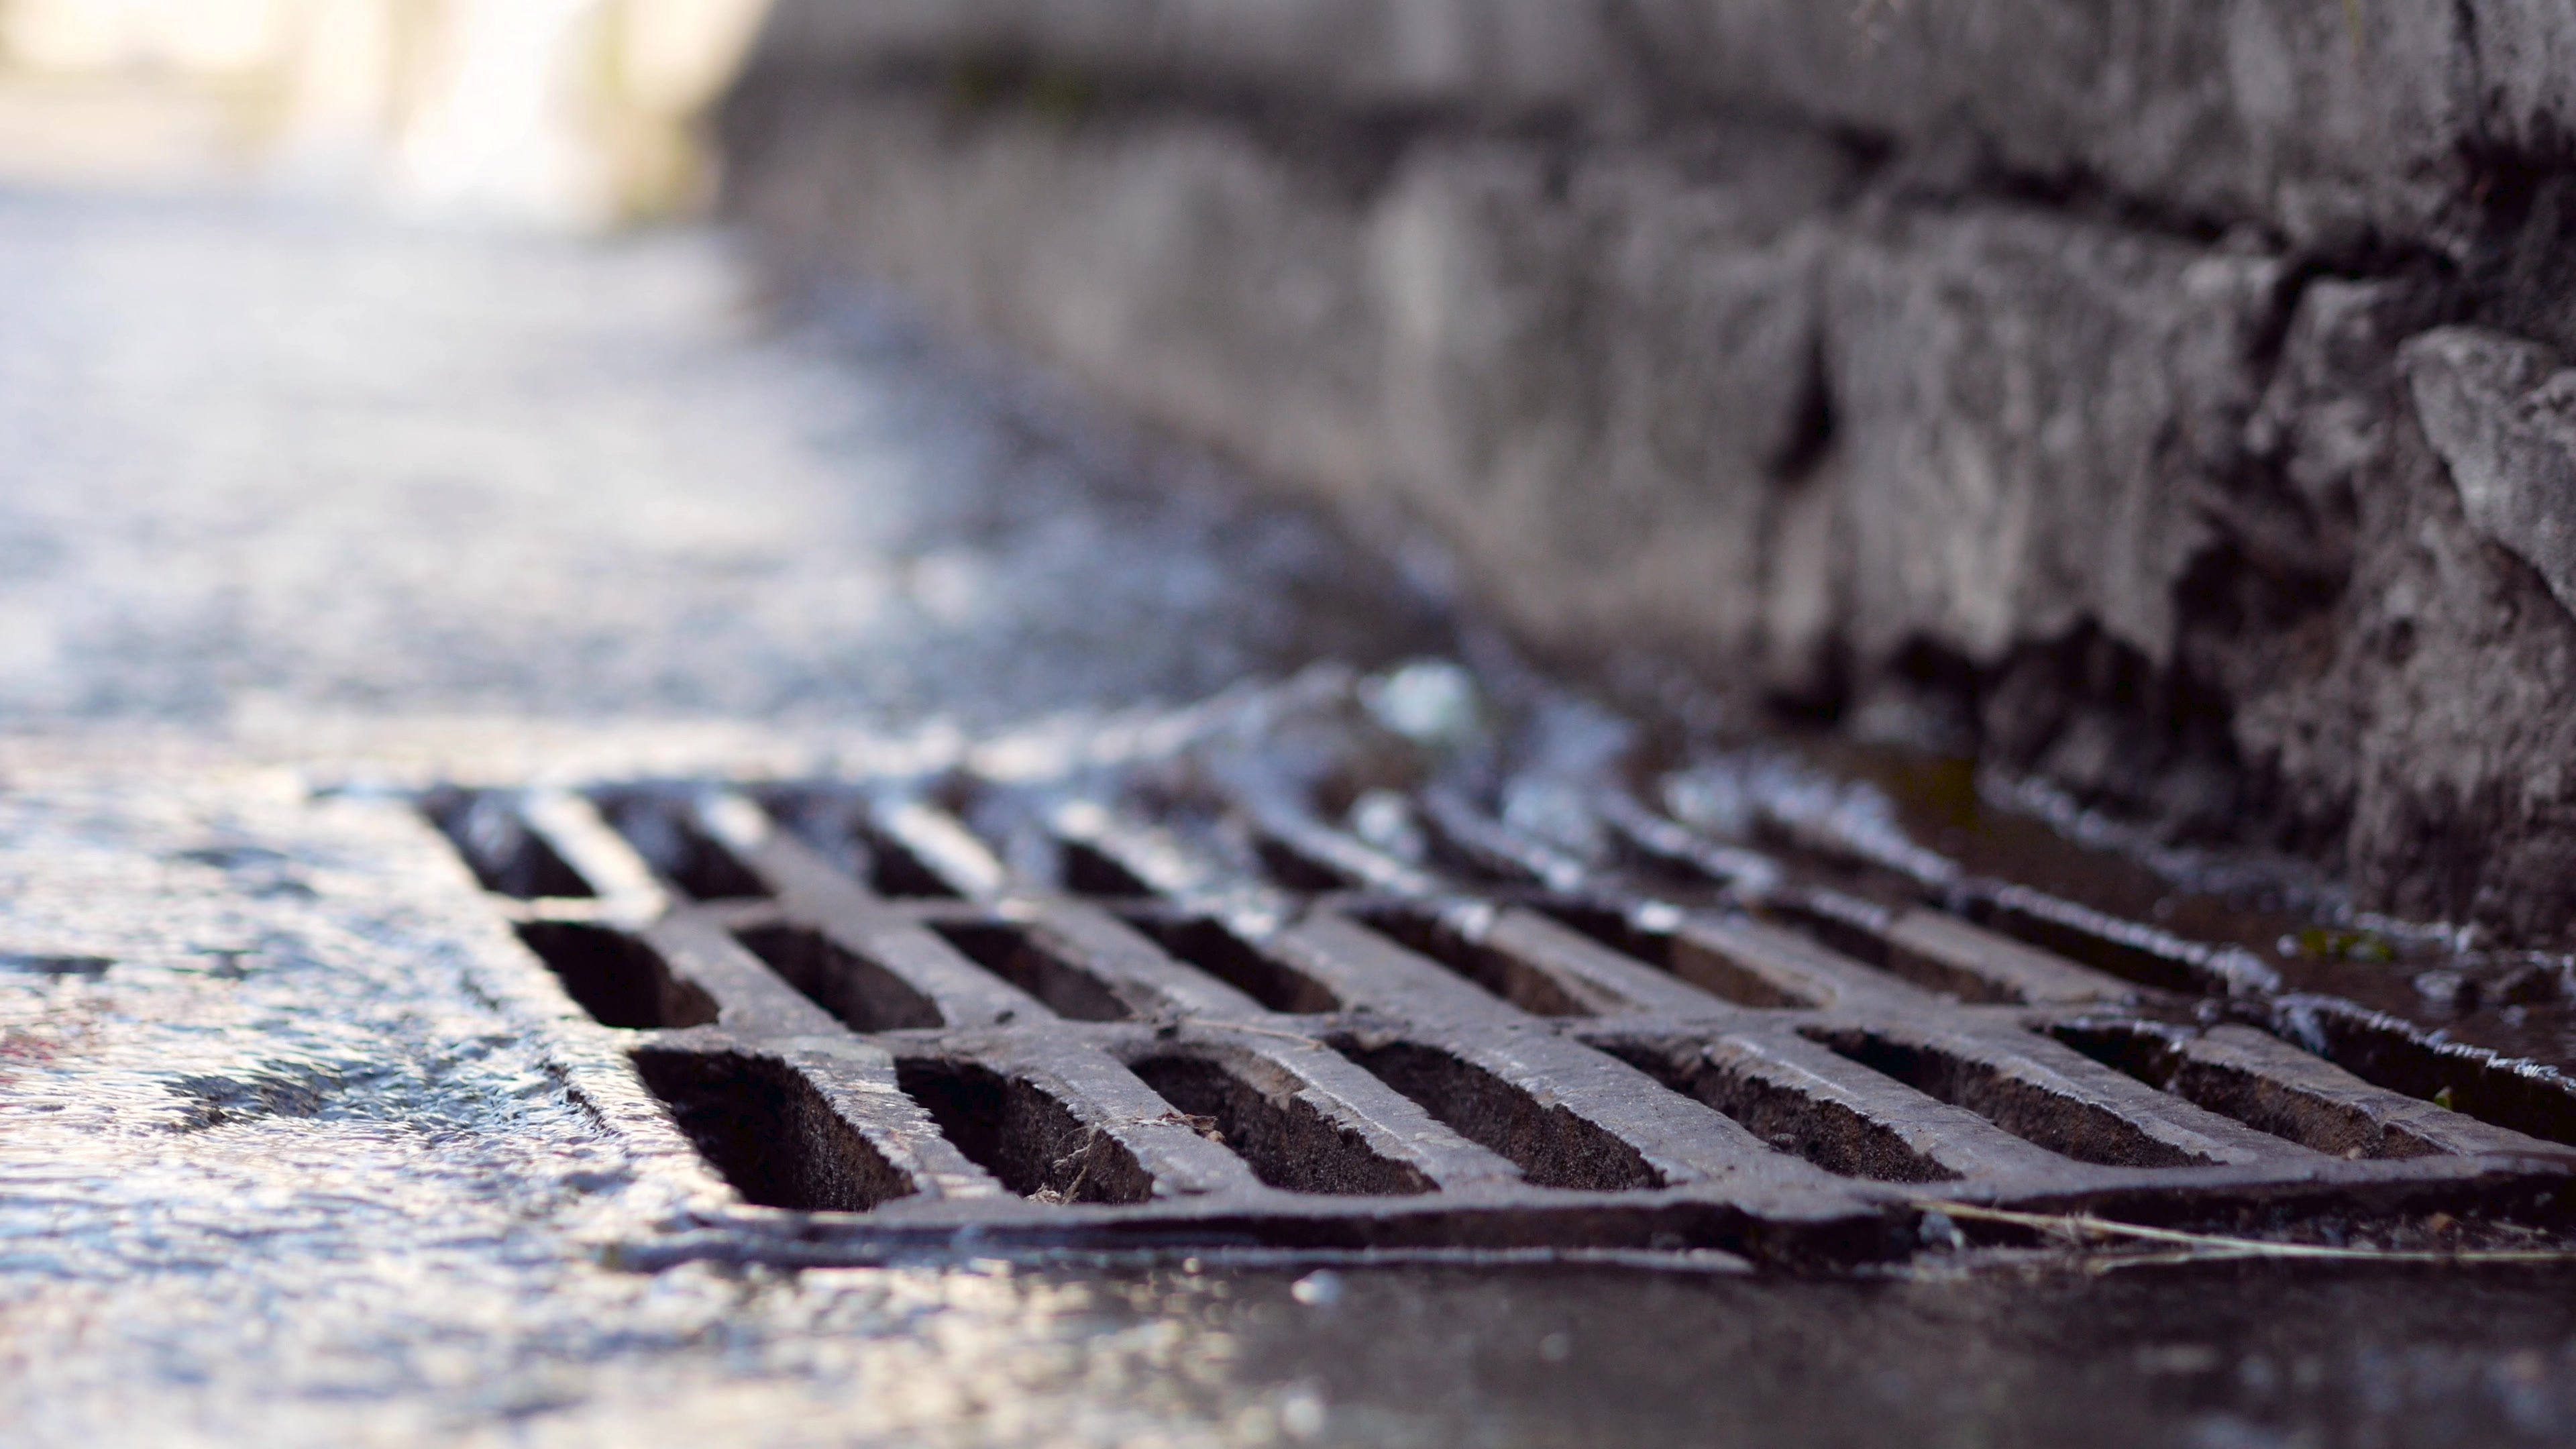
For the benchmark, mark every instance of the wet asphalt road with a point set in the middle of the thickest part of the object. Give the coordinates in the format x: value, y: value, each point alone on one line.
x: 281, y: 1164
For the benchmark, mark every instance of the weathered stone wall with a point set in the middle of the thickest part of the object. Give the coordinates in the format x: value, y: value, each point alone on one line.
x: 2312, y: 116
x: 2166, y: 396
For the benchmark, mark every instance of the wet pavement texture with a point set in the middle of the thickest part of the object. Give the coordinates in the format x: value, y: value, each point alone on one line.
x: 295, y: 1145
x: 276, y: 459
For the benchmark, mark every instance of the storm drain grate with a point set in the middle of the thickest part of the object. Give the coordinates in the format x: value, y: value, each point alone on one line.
x: 1181, y: 1004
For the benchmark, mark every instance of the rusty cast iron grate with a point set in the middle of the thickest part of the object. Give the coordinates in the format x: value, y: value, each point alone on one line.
x: 1180, y: 1003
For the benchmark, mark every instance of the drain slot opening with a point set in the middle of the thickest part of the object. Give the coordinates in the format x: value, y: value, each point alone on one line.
x: 504, y: 854
x: 1611, y: 926
x: 838, y: 830
x: 2129, y: 951
x: 2063, y: 1125
x: 769, y: 1132
x: 681, y: 853
x: 1674, y: 954
x: 1427, y: 933
x: 1012, y: 953
x: 1209, y: 946
x: 893, y: 871
x: 1294, y: 870
x: 1086, y: 870
x: 1824, y: 1132
x: 1551, y: 1146
x: 2330, y: 1127
x: 1289, y: 1144
x: 1475, y: 856
x: 842, y: 982
x: 1027, y: 1139
x: 619, y: 980
x: 2387, y: 1053
x: 1862, y: 929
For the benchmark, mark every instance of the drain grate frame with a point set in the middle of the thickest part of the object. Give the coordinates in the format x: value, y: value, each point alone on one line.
x: 930, y: 1012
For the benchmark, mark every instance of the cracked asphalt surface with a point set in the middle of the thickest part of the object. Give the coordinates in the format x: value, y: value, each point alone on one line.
x: 287, y: 1153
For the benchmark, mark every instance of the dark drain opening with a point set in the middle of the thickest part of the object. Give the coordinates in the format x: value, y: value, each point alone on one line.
x: 2266, y: 1106
x: 842, y: 982
x: 895, y: 872
x: 1028, y: 1140
x: 1088, y: 871
x: 1292, y: 869
x: 686, y: 856
x: 2075, y: 1129
x: 504, y: 854
x: 769, y: 1132
x: 1824, y: 1132
x: 1209, y: 946
x: 1479, y: 869
x: 1010, y: 952
x: 1551, y: 1146
x: 2089, y: 938
x: 1611, y: 926
x: 2387, y: 1053
x: 618, y: 979
x: 837, y: 828
x: 1675, y: 955
x: 1428, y: 933
x: 1861, y: 930
x: 1467, y: 847
x: 1289, y: 1143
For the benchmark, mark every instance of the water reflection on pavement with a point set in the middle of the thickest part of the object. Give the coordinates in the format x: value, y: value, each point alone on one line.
x: 299, y: 458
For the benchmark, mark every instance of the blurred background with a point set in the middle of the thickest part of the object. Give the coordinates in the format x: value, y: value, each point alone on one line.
x: 2012, y: 405
x: 554, y: 112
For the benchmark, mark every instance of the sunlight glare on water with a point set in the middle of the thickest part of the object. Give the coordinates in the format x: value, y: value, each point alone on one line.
x: 559, y: 113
